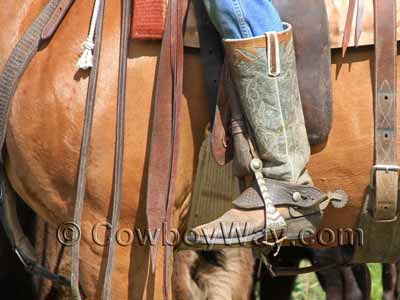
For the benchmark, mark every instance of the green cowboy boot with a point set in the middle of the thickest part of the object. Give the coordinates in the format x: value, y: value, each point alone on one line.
x: 281, y: 201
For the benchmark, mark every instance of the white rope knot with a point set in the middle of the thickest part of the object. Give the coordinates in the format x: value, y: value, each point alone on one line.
x: 89, y: 45
x: 85, y: 61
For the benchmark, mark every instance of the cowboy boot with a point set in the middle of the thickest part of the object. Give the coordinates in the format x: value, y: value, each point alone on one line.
x: 281, y: 201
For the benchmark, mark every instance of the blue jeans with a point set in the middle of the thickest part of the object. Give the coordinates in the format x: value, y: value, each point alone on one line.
x: 235, y: 19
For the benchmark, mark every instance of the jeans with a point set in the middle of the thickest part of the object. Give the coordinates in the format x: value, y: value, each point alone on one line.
x: 235, y: 19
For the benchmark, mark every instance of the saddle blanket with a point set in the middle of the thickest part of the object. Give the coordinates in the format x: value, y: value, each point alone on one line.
x: 148, y: 19
x: 149, y: 16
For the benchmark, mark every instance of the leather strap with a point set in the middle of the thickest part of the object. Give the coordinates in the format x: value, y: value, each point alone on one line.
x: 84, y: 154
x: 221, y: 135
x: 359, y: 21
x: 119, y: 143
x: 164, y: 143
x: 386, y: 181
x: 379, y: 220
x: 56, y: 19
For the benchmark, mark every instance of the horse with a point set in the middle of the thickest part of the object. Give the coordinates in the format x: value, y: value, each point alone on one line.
x: 45, y: 130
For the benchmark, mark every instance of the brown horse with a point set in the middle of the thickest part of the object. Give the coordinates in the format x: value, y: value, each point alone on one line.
x: 45, y: 129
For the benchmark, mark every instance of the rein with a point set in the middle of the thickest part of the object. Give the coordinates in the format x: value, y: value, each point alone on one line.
x: 119, y: 143
x: 87, y: 130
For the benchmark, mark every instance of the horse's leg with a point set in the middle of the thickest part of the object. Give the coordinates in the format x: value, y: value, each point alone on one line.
x: 351, y: 289
x: 363, y: 278
x: 281, y: 287
x: 332, y: 284
x: 213, y: 275
x: 341, y: 282
x: 184, y: 287
x: 389, y: 278
x: 397, y: 291
x: 277, y: 288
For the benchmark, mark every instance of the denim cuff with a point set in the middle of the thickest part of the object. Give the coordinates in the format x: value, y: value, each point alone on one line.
x: 235, y: 19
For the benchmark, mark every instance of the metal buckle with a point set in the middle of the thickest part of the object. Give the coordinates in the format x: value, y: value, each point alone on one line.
x: 387, y: 168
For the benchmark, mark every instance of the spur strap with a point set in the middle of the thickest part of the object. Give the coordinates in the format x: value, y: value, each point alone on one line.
x: 84, y: 154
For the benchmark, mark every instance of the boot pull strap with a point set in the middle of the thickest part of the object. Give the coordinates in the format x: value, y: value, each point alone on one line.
x: 273, y: 56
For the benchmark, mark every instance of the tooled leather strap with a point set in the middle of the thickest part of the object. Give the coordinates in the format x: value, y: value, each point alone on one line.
x: 164, y: 143
x: 386, y: 176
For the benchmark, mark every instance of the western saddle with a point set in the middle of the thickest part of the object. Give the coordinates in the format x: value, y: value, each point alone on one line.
x: 379, y: 216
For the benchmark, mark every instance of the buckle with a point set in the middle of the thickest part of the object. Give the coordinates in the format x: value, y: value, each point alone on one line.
x: 386, y: 168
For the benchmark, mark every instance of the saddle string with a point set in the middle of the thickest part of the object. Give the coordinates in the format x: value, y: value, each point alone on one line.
x: 119, y: 143
x: 165, y: 124
x: 353, y: 5
x: 85, y: 61
x: 85, y: 143
x: 178, y: 13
